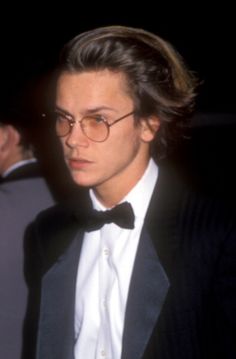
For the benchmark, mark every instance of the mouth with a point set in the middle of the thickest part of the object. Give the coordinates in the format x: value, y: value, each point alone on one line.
x: 78, y: 163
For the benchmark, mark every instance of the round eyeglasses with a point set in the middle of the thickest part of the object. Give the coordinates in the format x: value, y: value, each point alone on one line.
x: 94, y: 127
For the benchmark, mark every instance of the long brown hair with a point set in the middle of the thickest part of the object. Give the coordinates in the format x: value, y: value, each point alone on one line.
x: 158, y: 79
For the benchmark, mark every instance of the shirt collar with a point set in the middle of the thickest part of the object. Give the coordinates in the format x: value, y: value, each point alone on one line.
x: 140, y: 195
x: 17, y: 165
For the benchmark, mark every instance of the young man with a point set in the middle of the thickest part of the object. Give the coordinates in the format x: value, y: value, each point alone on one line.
x: 164, y: 285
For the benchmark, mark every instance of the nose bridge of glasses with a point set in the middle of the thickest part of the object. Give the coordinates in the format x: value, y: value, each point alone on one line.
x: 73, y: 130
x: 79, y: 121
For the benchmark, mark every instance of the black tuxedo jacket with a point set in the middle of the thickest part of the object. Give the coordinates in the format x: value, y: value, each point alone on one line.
x: 182, y: 296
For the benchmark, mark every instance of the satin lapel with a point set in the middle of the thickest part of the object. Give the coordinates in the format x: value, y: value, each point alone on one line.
x: 58, y: 302
x: 148, y: 289
x: 149, y: 284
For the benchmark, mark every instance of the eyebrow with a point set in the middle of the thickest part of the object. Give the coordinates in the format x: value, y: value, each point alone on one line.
x: 88, y: 111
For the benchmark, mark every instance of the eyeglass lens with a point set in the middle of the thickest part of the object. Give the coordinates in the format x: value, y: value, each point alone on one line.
x: 93, y: 127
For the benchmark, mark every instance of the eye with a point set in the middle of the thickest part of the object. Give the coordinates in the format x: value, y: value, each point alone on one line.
x: 93, y: 120
x: 98, y: 118
x: 61, y: 117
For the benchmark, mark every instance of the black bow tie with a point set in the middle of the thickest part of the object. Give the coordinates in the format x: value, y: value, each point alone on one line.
x: 122, y: 215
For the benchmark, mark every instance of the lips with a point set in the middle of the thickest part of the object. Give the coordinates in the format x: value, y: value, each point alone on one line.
x: 78, y: 163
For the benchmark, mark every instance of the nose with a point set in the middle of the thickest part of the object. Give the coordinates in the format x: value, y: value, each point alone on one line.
x: 76, y: 137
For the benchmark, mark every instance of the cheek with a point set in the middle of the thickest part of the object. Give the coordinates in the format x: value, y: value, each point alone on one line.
x: 122, y: 146
x: 63, y: 144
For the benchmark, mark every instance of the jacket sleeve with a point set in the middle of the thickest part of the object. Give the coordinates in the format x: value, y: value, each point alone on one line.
x: 32, y: 271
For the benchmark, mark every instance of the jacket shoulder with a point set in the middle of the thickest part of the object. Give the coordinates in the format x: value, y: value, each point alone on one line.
x: 53, y: 219
x: 52, y: 232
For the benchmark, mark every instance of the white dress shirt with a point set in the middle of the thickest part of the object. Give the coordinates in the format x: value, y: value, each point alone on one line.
x: 103, y: 278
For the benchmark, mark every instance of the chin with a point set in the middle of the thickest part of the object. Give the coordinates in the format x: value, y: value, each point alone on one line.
x: 84, y: 182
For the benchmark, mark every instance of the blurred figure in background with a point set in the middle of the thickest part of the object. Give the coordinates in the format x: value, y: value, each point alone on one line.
x: 17, y: 160
x: 23, y: 194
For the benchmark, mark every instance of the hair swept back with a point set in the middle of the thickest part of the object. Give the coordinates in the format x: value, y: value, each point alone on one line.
x: 158, y: 79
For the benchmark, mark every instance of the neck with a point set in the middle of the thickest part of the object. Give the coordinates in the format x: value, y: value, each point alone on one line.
x: 112, y: 193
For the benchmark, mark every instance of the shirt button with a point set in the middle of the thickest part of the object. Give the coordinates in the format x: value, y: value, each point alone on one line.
x: 106, y: 252
x: 103, y: 353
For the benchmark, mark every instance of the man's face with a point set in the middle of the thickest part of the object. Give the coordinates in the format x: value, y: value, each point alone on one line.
x: 118, y: 162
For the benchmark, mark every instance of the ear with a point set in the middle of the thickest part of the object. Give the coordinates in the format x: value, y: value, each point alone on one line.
x: 3, y: 137
x: 149, y: 127
x: 14, y: 135
x: 8, y: 136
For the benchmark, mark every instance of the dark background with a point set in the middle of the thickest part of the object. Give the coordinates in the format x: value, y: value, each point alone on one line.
x: 204, y: 34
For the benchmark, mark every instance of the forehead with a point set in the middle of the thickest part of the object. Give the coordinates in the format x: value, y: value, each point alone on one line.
x: 92, y: 88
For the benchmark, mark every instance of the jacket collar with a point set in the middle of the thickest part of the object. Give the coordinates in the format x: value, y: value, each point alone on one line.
x: 150, y: 283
